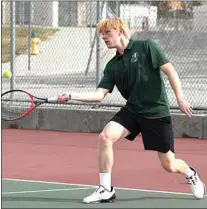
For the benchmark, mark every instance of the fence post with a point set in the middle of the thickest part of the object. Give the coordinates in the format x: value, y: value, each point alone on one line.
x: 98, y: 46
x: 12, y: 43
x: 29, y: 36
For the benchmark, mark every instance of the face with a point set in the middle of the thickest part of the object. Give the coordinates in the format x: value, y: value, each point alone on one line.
x: 111, y: 38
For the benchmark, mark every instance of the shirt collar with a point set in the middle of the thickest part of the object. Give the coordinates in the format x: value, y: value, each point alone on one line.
x: 130, y: 44
x: 129, y: 47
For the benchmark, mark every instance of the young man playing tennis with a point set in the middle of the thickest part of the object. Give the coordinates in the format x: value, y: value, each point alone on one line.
x: 135, y: 70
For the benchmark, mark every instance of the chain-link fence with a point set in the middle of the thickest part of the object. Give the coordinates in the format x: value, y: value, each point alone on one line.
x: 71, y: 58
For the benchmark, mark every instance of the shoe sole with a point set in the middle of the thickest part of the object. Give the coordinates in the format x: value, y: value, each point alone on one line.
x: 110, y: 200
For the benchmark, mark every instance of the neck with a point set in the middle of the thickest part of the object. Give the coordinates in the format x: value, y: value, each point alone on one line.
x: 123, y: 45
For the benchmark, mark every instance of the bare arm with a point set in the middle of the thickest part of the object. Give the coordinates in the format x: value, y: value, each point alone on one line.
x: 174, y: 79
x: 169, y: 70
x: 96, y: 96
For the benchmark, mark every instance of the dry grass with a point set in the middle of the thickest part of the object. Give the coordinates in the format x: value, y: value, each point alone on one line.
x: 22, y: 39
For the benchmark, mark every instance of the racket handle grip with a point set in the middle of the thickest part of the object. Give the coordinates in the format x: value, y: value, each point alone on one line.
x: 52, y: 99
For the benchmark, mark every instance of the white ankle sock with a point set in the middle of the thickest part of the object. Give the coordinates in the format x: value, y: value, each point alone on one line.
x: 105, y: 180
x: 190, y: 173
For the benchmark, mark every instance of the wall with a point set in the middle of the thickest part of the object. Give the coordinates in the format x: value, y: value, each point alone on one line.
x: 75, y: 120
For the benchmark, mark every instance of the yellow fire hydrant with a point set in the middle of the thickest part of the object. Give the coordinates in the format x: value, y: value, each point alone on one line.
x: 35, y: 42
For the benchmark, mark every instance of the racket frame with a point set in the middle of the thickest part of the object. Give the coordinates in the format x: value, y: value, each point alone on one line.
x: 35, y: 102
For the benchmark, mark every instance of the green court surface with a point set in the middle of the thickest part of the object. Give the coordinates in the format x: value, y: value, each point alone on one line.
x: 37, y: 194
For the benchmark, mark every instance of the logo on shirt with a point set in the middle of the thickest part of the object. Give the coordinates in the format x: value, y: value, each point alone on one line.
x: 134, y: 57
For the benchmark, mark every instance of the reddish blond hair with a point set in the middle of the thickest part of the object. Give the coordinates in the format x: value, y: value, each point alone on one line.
x: 113, y: 23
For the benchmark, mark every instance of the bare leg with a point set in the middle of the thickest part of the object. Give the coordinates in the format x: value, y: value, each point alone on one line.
x: 172, y: 164
x: 111, y: 133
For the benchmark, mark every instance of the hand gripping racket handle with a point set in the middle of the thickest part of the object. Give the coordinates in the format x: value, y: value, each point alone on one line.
x: 55, y: 99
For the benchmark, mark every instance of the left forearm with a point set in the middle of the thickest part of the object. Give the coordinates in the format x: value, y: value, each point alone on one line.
x: 176, y: 85
x: 174, y: 79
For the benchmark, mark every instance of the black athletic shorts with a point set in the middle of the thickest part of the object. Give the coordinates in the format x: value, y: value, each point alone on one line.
x: 157, y: 134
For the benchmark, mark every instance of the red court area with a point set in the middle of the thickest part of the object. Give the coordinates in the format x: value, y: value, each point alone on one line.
x: 72, y: 158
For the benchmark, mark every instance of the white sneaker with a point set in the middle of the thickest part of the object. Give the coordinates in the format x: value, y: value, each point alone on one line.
x: 101, y: 195
x: 196, y: 185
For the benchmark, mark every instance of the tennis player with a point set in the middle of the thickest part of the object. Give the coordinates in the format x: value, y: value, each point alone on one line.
x: 136, y: 71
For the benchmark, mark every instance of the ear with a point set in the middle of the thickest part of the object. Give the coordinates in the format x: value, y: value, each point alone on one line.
x: 120, y: 32
x: 125, y: 34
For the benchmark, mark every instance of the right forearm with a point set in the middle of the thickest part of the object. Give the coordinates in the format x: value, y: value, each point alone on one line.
x: 87, y: 97
x: 96, y: 96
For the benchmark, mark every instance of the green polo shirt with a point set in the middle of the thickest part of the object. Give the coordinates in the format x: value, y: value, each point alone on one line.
x: 137, y: 76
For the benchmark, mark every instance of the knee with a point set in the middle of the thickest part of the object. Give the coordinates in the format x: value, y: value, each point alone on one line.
x: 105, y: 139
x: 169, y: 165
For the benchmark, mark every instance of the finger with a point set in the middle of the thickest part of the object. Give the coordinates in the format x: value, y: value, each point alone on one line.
x: 61, y: 98
x: 188, y: 112
x: 65, y: 98
x: 189, y: 109
x: 184, y: 110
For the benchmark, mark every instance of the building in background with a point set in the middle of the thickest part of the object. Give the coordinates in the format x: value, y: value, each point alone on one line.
x: 145, y: 15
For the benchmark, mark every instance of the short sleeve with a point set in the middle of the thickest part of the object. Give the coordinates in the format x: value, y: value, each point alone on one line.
x: 158, y: 56
x: 107, y: 82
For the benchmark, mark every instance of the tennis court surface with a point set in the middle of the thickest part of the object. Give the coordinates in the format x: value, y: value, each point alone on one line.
x: 50, y: 169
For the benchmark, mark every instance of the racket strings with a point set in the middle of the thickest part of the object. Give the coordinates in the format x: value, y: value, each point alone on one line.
x: 13, y: 110
x: 15, y: 105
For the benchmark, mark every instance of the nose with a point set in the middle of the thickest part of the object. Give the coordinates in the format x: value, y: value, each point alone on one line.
x: 103, y: 36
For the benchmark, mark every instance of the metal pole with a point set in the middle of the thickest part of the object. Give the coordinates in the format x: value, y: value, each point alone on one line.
x: 29, y: 37
x: 12, y: 43
x: 93, y: 45
x: 22, y: 11
x: 91, y: 52
x: 98, y: 47
x: 90, y: 23
x: 118, y: 8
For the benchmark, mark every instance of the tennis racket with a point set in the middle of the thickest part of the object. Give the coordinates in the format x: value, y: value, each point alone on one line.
x: 17, y: 104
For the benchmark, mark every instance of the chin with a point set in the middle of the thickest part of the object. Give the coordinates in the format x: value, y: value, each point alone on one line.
x: 111, y: 47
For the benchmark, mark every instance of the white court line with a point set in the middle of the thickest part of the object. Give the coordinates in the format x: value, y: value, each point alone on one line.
x: 95, y: 186
x: 46, y: 190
